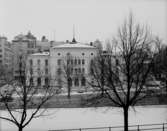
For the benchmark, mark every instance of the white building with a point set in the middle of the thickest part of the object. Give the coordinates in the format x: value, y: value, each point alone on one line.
x: 46, y: 65
x: 38, y: 69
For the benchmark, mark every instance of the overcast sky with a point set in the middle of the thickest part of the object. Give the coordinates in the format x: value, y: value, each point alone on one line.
x: 92, y: 18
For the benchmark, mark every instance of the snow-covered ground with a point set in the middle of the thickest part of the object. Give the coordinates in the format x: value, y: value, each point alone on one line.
x: 65, y: 118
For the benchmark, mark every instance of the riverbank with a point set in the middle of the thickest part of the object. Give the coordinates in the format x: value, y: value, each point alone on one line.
x: 86, y: 100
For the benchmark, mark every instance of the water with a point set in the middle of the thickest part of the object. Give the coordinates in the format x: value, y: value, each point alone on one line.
x: 65, y: 118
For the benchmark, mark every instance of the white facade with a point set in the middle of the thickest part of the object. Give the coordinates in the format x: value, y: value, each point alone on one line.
x: 38, y: 69
x: 81, y: 55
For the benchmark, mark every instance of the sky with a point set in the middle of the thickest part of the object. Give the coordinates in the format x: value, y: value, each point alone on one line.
x: 92, y: 19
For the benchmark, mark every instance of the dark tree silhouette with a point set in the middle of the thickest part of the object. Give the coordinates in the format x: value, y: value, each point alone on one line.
x: 160, y: 63
x: 126, y: 68
x: 25, y: 96
x: 66, y: 72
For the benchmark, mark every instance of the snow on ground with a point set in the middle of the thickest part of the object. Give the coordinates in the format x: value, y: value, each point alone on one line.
x: 65, y: 118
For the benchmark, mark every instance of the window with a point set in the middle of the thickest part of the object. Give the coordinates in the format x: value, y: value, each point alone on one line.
x: 59, y: 62
x: 39, y: 81
x: 46, y: 62
x: 58, y: 53
x: 76, y: 82
x: 71, y: 62
x: 31, y: 62
x: 75, y: 61
x: 83, y: 81
x: 83, y: 53
x: 83, y: 71
x: 83, y: 61
x: 68, y: 62
x: 79, y: 70
x: 46, y: 71
x: 71, y: 71
x: 38, y: 71
x: 38, y: 62
x: 0, y: 55
x: 117, y: 62
x: 79, y: 61
x: 68, y: 54
x: 46, y: 81
x: 59, y: 71
x: 91, y: 53
x: 75, y: 70
x: 31, y: 71
x: 31, y: 81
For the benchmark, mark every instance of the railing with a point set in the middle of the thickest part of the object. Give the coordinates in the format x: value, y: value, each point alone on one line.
x: 144, y: 127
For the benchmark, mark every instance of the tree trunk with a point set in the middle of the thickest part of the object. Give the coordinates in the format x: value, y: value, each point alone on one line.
x: 20, y: 128
x: 166, y: 86
x: 69, y: 91
x: 125, y: 118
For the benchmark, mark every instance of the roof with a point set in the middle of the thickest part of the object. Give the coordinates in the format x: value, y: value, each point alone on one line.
x: 73, y: 45
x: 40, y: 54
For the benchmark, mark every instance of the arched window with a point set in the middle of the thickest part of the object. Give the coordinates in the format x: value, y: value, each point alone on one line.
x: 76, y: 82
x: 83, y: 81
x: 83, y: 61
x: 39, y: 81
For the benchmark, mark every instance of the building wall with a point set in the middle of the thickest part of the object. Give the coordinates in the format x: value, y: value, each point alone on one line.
x: 22, y: 45
x: 6, y: 53
x: 56, y: 54
x: 37, y: 67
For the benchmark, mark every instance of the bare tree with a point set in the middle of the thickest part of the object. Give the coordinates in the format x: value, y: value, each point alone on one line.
x: 66, y: 72
x: 25, y: 96
x: 128, y: 67
x: 97, y: 73
x: 160, y: 64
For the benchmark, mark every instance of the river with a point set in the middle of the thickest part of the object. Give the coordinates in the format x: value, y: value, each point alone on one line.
x: 64, y: 118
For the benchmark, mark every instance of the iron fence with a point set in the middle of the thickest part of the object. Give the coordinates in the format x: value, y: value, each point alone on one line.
x: 144, y: 127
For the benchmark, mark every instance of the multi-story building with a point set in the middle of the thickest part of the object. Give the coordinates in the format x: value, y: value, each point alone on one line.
x: 6, y: 54
x: 44, y: 68
x: 22, y: 46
